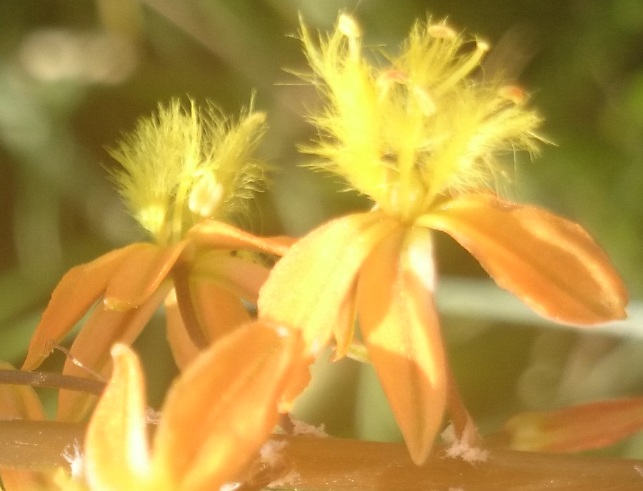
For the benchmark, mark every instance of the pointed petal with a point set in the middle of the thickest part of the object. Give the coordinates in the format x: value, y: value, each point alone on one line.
x: 218, y: 312
x: 184, y: 351
x: 91, y: 347
x: 224, y: 405
x: 77, y: 291
x: 140, y: 275
x: 401, y: 331
x: 344, y: 329
x: 309, y: 287
x: 116, y: 448
x: 552, y: 264
x: 219, y: 235
x: 576, y: 428
x: 240, y: 276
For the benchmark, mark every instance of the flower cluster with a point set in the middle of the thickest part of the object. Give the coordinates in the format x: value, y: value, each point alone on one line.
x: 420, y: 132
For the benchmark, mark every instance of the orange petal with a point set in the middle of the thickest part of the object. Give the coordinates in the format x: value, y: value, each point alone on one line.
x: 76, y: 292
x: 309, y: 288
x: 224, y: 405
x: 576, y: 428
x: 240, y: 276
x: 91, y: 347
x: 402, y: 333
x: 184, y: 351
x: 140, y: 275
x: 116, y: 448
x: 552, y: 264
x: 219, y: 235
x: 218, y: 312
x: 16, y: 480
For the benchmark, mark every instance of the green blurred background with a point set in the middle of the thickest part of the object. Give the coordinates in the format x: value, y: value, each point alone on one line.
x: 76, y: 74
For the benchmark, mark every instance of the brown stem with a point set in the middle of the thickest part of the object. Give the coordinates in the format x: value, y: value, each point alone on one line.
x: 335, y: 464
x: 51, y: 381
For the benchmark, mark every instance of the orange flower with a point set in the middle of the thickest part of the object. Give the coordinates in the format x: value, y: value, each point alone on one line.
x: 576, y: 428
x: 201, y: 441
x: 183, y: 171
x: 422, y: 140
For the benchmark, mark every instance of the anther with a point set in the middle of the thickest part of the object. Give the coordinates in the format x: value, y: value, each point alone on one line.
x: 349, y: 27
x: 441, y: 31
x: 513, y: 93
x: 206, y: 195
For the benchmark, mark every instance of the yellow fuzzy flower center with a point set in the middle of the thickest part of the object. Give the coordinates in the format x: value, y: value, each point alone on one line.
x: 183, y: 165
x: 418, y: 125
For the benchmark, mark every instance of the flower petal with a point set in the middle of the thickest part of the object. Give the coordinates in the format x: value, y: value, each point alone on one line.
x: 91, y: 347
x: 551, y: 263
x: 116, y: 448
x: 183, y: 348
x: 219, y: 235
x: 401, y: 331
x: 224, y: 405
x: 218, y: 312
x: 76, y: 292
x: 576, y: 428
x: 140, y: 275
x: 240, y: 276
x: 309, y: 287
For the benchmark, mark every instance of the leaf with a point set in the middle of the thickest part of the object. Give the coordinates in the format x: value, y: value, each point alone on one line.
x: 402, y: 333
x: 551, y: 263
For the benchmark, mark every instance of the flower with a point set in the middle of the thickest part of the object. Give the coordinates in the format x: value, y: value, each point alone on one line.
x: 423, y: 139
x: 201, y: 442
x: 577, y: 428
x: 184, y: 171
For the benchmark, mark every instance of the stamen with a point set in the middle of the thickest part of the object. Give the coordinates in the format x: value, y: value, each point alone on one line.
x: 513, y: 93
x: 466, y: 67
x: 206, y: 196
x: 424, y: 101
x: 349, y: 27
x: 441, y: 31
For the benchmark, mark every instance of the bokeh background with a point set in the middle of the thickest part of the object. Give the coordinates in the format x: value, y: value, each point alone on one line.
x: 76, y: 74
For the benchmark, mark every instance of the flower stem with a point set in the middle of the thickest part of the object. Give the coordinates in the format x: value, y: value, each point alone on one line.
x: 51, y: 381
